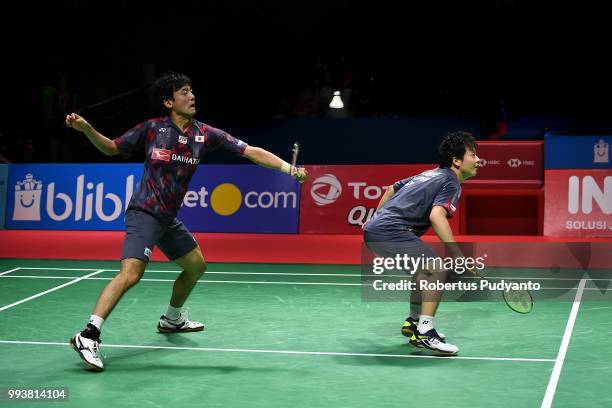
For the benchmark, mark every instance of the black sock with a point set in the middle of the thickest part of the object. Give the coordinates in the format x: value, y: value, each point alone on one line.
x: 91, y: 332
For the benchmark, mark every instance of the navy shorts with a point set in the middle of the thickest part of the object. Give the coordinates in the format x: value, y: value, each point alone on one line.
x: 389, y: 246
x: 143, y: 231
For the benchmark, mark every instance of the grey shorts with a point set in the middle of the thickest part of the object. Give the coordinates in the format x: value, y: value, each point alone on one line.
x: 143, y: 231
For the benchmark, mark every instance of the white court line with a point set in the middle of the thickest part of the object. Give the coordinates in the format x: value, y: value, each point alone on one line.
x: 222, y: 272
x: 200, y: 281
x: 10, y: 270
x: 256, y: 282
x: 50, y: 290
x: 305, y: 274
x: 64, y: 269
x: 554, y: 377
x: 313, y: 353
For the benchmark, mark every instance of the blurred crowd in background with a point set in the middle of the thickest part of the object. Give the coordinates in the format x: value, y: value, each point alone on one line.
x: 503, y: 62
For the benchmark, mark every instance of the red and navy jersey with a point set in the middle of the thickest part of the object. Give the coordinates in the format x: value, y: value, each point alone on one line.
x: 409, y: 207
x: 172, y: 156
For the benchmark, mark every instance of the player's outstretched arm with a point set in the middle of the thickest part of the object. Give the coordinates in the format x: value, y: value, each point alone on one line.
x: 264, y: 158
x: 101, y: 142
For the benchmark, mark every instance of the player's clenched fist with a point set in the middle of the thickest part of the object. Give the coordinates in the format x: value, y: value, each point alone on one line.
x: 77, y: 122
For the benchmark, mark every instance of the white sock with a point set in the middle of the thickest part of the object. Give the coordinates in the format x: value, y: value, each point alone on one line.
x: 426, y: 323
x: 96, y: 321
x: 173, y: 313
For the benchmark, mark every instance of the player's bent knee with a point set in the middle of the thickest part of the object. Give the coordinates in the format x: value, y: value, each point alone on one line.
x: 193, y: 263
x: 132, y: 271
x: 198, y: 269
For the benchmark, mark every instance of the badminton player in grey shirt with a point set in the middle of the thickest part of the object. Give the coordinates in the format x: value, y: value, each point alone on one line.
x: 406, y: 211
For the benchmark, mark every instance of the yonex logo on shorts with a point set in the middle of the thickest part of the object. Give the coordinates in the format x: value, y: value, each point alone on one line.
x: 147, y: 252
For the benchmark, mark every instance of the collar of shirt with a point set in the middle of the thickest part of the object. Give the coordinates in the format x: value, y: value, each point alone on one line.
x: 189, y: 130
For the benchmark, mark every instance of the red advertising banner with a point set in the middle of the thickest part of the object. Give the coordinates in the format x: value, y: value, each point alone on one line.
x: 338, y: 199
x: 518, y: 164
x: 578, y: 203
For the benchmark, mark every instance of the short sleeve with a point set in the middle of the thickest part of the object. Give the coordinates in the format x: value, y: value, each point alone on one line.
x: 218, y: 139
x: 448, y: 196
x: 401, y: 183
x: 132, y: 142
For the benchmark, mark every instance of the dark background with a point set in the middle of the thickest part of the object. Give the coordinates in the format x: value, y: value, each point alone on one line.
x: 262, y: 62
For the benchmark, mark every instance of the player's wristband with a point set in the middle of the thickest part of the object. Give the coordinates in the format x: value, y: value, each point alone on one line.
x: 285, y: 168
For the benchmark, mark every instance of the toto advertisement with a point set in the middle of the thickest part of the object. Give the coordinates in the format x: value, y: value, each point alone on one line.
x: 338, y: 199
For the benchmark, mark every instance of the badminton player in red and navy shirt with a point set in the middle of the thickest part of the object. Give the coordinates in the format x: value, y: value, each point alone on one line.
x: 174, y: 146
x: 406, y: 211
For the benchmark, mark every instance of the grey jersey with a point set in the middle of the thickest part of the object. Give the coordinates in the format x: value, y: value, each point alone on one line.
x: 409, y: 207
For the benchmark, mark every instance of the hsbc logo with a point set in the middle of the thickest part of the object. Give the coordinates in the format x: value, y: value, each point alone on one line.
x: 518, y: 162
x: 485, y: 162
x: 160, y: 154
x: 514, y: 162
x: 325, y: 190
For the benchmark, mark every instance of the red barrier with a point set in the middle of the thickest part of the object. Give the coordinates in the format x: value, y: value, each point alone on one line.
x: 578, y: 203
x: 510, y: 164
x: 506, y: 197
x: 532, y: 252
x: 338, y: 199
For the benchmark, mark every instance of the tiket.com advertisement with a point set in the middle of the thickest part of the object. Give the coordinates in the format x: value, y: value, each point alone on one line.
x: 241, y: 198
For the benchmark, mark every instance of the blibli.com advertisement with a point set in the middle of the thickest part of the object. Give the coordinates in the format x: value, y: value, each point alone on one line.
x: 220, y: 198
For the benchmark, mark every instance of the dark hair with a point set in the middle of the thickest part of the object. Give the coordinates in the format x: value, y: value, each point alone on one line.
x: 454, y: 145
x: 164, y: 87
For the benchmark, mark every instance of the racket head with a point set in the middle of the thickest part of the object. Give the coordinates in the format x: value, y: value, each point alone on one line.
x: 296, y: 150
x: 519, y: 301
